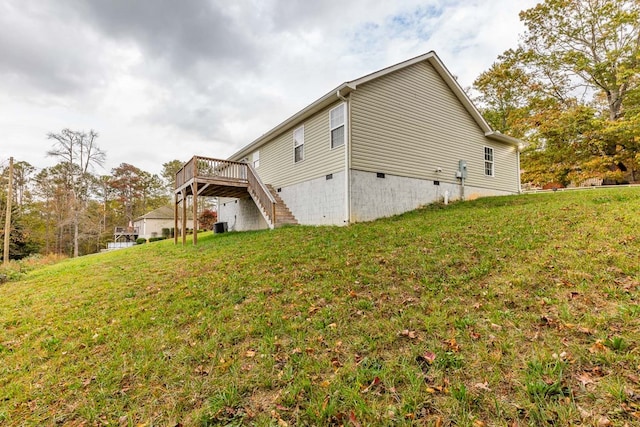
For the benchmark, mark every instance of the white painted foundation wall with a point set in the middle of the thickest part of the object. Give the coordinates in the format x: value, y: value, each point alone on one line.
x: 373, y: 197
x: 241, y: 214
x: 321, y: 201
x: 318, y: 201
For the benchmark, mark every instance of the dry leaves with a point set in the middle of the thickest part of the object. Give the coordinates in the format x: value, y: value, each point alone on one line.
x: 409, y: 334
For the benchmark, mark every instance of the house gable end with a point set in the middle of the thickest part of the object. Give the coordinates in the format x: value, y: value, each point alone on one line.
x: 409, y: 122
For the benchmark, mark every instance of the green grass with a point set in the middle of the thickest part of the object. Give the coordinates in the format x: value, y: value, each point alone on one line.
x: 501, y: 311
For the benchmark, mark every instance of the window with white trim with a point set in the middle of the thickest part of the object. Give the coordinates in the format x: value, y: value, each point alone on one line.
x: 488, y: 161
x: 256, y: 159
x: 298, y: 144
x: 336, y: 124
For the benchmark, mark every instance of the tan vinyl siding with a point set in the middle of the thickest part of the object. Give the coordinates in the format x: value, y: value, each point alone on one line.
x: 277, y: 166
x: 408, y: 123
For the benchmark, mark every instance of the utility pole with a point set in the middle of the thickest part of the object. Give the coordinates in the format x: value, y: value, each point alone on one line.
x: 7, y: 220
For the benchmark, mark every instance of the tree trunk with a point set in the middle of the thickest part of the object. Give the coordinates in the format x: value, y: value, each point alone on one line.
x: 75, y: 236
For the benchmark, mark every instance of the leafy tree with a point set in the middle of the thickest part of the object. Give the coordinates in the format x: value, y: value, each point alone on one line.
x: 560, y: 145
x: 137, y: 191
x: 594, y: 43
x: 55, y: 207
x: 571, y: 90
x: 78, y: 154
x: 21, y: 243
x: 169, y: 171
x: 22, y: 173
x: 127, y: 183
x: 505, y: 91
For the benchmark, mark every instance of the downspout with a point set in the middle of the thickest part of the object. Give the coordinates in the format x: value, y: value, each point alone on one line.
x: 347, y: 159
x: 518, y: 171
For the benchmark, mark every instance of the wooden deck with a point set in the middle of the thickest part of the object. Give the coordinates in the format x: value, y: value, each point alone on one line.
x: 127, y: 234
x: 213, y: 178
x: 209, y: 177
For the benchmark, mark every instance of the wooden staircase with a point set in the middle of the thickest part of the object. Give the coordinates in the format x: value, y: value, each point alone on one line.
x: 283, y: 214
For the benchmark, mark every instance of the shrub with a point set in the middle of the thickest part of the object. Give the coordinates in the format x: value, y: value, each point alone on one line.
x: 141, y: 241
x: 207, y: 218
x: 155, y: 239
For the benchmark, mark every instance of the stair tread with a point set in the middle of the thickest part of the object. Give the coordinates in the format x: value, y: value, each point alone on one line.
x: 283, y: 214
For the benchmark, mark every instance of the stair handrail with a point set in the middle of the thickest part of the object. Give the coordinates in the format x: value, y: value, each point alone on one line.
x: 263, y: 194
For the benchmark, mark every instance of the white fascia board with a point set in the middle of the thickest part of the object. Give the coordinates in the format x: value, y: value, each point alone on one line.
x: 326, y: 100
x: 500, y: 137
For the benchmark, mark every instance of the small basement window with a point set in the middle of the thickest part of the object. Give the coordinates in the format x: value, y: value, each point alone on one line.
x: 298, y: 144
x: 488, y: 161
x: 380, y: 175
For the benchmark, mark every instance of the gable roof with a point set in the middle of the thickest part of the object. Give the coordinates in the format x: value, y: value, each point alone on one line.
x: 347, y: 87
x: 163, y: 212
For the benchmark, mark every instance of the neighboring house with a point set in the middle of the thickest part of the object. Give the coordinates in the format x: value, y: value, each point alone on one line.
x: 377, y: 146
x: 152, y: 223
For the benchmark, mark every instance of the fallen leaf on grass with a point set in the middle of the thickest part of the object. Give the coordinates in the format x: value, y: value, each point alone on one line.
x: 584, y: 414
x: 427, y: 356
x: 633, y: 378
x: 250, y: 353
x: 353, y: 420
x: 453, y: 345
x: 598, y: 346
x: 281, y: 422
x: 584, y: 378
x: 374, y: 383
x: 482, y: 386
x: 200, y: 370
x: 409, y: 334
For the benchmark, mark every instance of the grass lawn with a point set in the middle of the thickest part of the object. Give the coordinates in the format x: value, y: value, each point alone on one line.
x: 507, y: 311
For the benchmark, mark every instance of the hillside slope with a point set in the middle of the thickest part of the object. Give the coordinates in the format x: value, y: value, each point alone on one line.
x: 502, y: 311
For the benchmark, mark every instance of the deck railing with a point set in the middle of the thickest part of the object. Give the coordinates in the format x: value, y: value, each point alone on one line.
x: 126, y: 230
x: 265, y: 198
x: 208, y: 167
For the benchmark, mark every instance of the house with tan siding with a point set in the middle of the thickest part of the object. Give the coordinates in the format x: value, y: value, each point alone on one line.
x: 152, y: 223
x: 383, y: 144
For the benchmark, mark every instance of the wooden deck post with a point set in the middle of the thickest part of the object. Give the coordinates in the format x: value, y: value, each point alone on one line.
x: 194, y: 191
x: 184, y: 220
x: 175, y: 219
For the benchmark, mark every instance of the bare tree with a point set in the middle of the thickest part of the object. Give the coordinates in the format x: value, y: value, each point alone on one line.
x: 78, y: 154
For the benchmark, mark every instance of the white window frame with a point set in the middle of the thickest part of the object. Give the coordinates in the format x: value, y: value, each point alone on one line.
x: 332, y: 127
x: 256, y: 159
x: 298, y: 143
x: 489, y: 161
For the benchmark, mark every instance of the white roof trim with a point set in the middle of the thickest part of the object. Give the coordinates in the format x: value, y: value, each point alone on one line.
x: 345, y: 88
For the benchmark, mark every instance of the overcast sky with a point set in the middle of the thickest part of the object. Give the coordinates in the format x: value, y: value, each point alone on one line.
x: 167, y: 79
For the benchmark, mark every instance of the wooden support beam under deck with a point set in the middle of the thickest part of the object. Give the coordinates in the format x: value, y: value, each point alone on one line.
x: 194, y: 191
x: 184, y: 220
